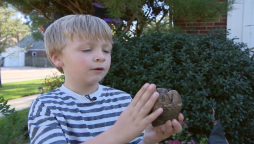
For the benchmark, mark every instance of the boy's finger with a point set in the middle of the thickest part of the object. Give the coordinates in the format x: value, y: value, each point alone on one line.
x: 145, y: 97
x: 180, y: 117
x: 139, y: 94
x: 167, y: 128
x: 177, y: 126
x: 151, y: 117
x: 144, y: 111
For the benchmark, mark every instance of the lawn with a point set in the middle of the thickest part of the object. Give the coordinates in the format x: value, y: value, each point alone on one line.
x: 15, y: 90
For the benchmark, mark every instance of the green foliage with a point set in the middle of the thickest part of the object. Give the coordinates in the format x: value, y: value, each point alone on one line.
x: 53, y: 82
x: 10, y: 26
x: 203, y: 140
x: 13, y: 131
x: 4, y: 108
x: 36, y: 20
x: 142, y: 12
x: 204, y: 10
x: 208, y: 72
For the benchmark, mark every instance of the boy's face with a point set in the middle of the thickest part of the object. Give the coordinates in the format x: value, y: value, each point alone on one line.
x: 86, y: 62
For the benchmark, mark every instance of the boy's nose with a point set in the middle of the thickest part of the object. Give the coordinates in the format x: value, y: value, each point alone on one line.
x: 99, y: 57
x: 102, y: 59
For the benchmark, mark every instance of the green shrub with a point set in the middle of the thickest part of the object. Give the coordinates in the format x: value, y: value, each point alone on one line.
x: 14, y: 129
x: 209, y: 72
x: 203, y: 140
x: 52, y: 82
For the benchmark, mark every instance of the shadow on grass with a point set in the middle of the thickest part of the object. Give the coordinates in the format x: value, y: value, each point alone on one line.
x: 20, y: 89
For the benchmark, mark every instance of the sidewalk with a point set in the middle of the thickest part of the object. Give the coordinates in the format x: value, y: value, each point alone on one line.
x: 15, y: 74
x: 21, y: 103
x: 27, y: 68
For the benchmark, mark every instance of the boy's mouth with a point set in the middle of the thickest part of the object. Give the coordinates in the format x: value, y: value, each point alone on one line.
x: 98, y: 68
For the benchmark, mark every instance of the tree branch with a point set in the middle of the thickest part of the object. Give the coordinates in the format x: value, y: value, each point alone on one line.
x: 70, y: 7
x: 77, y: 5
x: 74, y: 4
x: 162, y: 18
x: 40, y: 11
x: 53, y: 4
x: 213, y: 118
x: 129, y: 23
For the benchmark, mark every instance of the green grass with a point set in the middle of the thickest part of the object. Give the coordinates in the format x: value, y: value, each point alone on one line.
x: 15, y: 90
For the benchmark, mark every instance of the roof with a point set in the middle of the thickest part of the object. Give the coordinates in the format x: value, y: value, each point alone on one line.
x: 30, y: 43
x: 13, y: 39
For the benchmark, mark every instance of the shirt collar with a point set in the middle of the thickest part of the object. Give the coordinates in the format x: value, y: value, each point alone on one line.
x: 96, y: 94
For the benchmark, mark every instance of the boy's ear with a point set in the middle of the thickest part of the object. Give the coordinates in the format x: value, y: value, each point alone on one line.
x: 57, y: 60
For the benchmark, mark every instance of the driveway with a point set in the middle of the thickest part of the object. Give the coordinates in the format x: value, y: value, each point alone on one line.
x: 14, y: 74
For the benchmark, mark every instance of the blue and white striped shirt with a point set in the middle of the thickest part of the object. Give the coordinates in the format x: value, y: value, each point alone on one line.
x: 63, y: 116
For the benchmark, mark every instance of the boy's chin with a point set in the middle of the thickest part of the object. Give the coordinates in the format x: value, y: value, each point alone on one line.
x: 96, y: 81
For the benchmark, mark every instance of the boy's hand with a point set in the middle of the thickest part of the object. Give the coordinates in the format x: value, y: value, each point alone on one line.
x: 134, y: 119
x: 156, y: 134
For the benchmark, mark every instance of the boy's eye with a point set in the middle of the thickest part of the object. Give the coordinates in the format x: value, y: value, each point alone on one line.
x: 86, y: 50
x: 106, y: 51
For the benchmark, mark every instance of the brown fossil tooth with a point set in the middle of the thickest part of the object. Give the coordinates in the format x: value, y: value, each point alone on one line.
x: 171, y: 102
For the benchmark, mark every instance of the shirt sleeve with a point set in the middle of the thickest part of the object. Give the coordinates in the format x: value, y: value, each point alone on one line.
x: 43, y: 126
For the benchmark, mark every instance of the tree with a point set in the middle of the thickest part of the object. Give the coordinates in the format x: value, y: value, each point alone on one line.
x: 10, y: 26
x: 142, y: 12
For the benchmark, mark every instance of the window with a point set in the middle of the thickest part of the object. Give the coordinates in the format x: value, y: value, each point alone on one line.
x: 34, y: 54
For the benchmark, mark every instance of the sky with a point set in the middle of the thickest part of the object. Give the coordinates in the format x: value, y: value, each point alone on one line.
x: 21, y: 16
x: 18, y: 14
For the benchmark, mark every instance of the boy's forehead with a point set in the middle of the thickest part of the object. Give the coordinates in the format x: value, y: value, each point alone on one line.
x: 90, y: 39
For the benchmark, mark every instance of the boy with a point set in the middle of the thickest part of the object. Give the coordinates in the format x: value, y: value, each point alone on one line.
x: 82, y: 110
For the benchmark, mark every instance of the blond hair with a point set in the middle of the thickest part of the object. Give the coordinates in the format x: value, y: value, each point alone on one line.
x: 85, y: 27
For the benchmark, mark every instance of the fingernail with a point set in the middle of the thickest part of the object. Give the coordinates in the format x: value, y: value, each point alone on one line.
x: 160, y: 110
x: 146, y: 85
x: 174, y: 121
x: 163, y: 128
x: 151, y: 86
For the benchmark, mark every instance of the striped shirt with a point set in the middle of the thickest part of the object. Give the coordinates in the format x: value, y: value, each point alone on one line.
x: 63, y: 116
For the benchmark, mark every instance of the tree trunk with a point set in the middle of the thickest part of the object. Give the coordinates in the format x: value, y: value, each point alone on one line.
x: 0, y: 73
x: 170, y: 18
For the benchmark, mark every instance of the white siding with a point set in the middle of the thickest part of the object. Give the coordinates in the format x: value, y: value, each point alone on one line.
x: 241, y: 22
x: 14, y: 56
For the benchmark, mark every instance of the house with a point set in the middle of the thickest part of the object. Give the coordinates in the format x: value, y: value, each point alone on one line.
x: 13, y: 55
x: 34, y: 48
x: 25, y: 52
x: 239, y: 22
x: 35, y: 52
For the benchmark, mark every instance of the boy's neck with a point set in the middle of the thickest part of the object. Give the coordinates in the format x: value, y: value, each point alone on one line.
x: 81, y: 88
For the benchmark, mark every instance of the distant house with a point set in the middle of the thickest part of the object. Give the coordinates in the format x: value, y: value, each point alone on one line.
x: 35, y: 52
x: 13, y: 55
x: 34, y: 48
